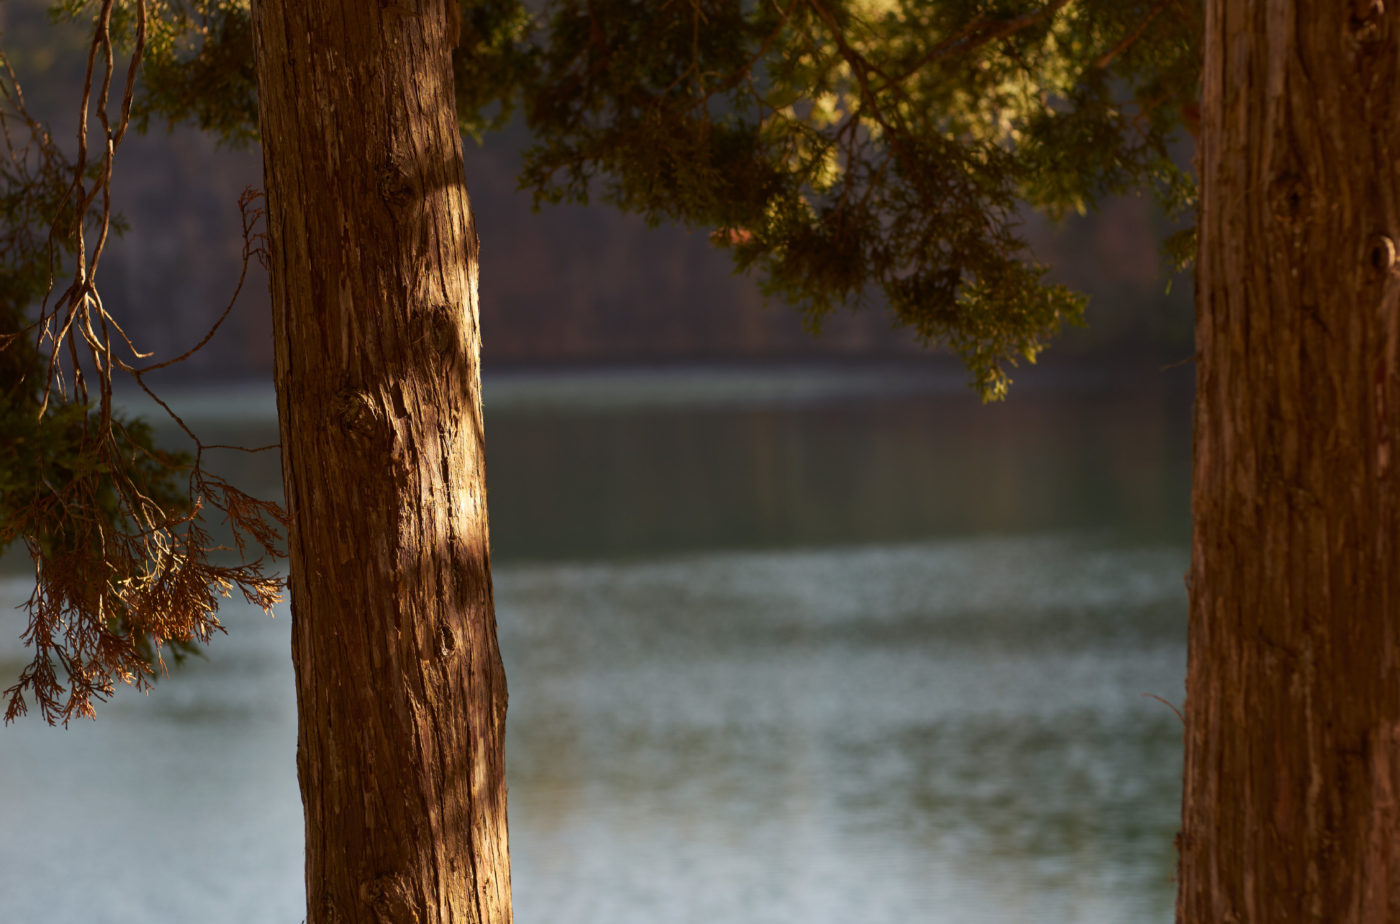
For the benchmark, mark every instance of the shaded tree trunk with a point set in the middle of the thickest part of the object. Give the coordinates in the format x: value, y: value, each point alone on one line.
x: 400, y: 691
x: 1291, y: 808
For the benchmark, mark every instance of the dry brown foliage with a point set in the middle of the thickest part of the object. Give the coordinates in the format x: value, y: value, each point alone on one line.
x: 125, y: 568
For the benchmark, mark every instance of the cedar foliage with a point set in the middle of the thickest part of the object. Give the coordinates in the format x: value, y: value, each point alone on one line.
x: 125, y: 566
x: 847, y: 152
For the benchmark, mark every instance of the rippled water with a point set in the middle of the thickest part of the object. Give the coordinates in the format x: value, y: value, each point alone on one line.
x: 720, y: 710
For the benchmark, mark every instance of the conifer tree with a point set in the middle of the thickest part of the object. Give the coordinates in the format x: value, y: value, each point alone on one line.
x: 873, y: 153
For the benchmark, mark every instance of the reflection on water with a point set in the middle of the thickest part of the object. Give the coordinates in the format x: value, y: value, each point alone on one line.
x: 948, y: 731
x: 825, y: 658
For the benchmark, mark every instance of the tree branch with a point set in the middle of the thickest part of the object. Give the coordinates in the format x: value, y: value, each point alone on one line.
x: 978, y: 33
x: 1105, y: 59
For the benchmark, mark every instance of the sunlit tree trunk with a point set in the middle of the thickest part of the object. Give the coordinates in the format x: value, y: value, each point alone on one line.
x: 1292, y: 785
x: 400, y: 693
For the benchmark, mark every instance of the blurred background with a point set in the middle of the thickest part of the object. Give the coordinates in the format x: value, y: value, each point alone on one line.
x: 797, y: 630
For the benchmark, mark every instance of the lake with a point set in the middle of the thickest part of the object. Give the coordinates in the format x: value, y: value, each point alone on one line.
x: 795, y: 645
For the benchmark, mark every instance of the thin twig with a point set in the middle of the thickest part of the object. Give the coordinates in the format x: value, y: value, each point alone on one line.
x: 1105, y: 59
x: 1168, y: 704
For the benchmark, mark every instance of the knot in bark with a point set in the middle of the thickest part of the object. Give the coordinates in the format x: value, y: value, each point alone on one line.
x: 440, y: 332
x: 396, y: 185
x: 1289, y: 199
x: 358, y: 416
x: 1381, y: 253
x: 1367, y: 24
x: 388, y: 899
x: 447, y: 639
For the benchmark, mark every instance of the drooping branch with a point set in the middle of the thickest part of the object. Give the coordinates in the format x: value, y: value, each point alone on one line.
x: 124, y: 567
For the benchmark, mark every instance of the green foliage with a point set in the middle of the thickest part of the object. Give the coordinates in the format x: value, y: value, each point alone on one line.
x: 199, y: 68
x: 493, y: 60
x: 848, y: 152
x: 197, y: 62
x: 869, y: 150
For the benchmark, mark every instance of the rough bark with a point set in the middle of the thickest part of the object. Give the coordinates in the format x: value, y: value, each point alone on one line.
x: 1292, y: 776
x: 400, y: 690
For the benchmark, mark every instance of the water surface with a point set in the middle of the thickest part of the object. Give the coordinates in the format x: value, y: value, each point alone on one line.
x: 806, y: 646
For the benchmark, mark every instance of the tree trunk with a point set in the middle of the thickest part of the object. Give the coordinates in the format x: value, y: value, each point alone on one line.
x: 400, y: 691
x: 1290, y: 808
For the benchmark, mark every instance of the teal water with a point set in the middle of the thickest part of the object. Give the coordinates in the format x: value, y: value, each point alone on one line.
x: 810, y: 645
